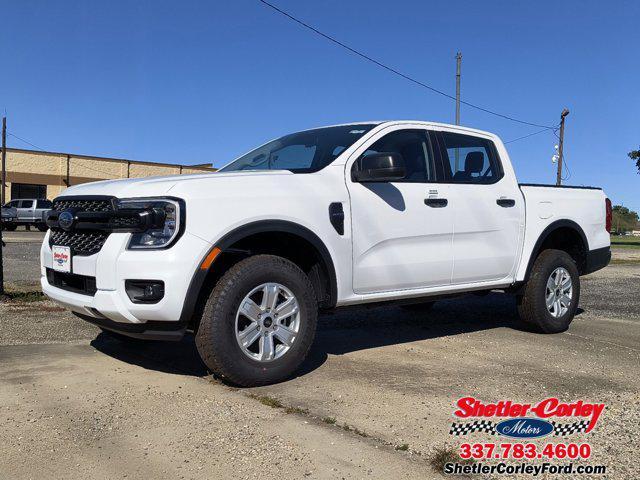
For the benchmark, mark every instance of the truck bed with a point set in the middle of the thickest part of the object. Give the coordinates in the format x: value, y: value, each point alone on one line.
x: 546, y: 205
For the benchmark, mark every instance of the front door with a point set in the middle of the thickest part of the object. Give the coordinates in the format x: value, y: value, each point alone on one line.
x: 402, y: 230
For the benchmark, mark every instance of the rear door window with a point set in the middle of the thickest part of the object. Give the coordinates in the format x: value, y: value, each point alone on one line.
x: 26, y: 203
x: 469, y: 159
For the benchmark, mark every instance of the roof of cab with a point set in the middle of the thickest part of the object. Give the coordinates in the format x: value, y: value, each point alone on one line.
x: 420, y: 122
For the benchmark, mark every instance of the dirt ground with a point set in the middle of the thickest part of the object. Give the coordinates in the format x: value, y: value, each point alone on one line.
x: 374, y: 400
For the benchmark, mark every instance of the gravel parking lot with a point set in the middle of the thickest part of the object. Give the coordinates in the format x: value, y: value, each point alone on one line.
x: 374, y: 400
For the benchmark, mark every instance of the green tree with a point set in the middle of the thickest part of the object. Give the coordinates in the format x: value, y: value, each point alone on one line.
x: 635, y: 155
x: 623, y: 219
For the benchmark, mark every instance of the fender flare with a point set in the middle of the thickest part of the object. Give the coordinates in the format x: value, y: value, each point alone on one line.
x: 552, y: 227
x: 262, y: 226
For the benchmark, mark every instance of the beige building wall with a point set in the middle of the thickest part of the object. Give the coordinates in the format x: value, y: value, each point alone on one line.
x: 59, y: 170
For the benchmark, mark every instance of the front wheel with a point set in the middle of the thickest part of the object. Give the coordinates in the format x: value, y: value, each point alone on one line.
x: 550, y: 298
x: 259, y: 322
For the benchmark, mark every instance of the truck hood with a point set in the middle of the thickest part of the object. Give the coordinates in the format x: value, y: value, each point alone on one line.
x: 158, y: 186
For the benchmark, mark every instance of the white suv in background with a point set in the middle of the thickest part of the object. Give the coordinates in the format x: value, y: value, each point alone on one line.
x: 400, y: 211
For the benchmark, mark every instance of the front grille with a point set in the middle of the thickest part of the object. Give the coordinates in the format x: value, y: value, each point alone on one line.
x: 82, y: 244
x: 124, y: 222
x: 83, y: 204
x: 72, y: 282
x: 85, y: 242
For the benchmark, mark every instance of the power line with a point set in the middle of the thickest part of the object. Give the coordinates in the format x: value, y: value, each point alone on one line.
x: 527, y: 136
x: 88, y: 167
x: 25, y: 141
x: 85, y: 165
x: 568, y: 170
x: 396, y: 72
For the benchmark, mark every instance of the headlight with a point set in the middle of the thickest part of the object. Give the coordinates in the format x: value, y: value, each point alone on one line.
x: 168, y: 222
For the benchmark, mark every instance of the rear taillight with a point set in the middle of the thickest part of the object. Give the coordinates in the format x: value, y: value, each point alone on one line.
x: 607, y: 204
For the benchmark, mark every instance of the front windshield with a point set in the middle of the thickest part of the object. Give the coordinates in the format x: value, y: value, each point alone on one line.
x: 302, y: 152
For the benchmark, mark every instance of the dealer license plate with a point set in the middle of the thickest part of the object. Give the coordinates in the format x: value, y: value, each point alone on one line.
x: 61, y: 258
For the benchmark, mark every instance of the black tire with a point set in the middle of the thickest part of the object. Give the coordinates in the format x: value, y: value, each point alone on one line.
x: 42, y: 227
x: 11, y: 227
x: 418, y: 307
x: 216, y: 336
x: 532, y: 306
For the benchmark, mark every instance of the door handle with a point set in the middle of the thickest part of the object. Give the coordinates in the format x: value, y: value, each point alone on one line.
x: 506, y: 202
x: 436, y: 202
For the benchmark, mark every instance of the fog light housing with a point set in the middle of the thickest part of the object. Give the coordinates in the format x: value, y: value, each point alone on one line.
x: 144, y: 291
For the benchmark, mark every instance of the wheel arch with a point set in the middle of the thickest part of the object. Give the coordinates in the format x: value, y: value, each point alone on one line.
x: 564, y: 235
x: 231, y: 248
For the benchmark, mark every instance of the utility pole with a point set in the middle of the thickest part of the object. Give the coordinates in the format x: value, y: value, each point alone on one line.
x: 4, y: 161
x: 458, y: 68
x: 2, y: 179
x: 564, y: 113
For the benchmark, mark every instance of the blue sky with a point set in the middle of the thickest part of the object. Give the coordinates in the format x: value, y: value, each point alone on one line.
x: 193, y: 81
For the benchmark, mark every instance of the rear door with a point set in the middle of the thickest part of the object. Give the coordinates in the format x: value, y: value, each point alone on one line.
x: 25, y: 210
x: 402, y: 230
x: 487, y: 206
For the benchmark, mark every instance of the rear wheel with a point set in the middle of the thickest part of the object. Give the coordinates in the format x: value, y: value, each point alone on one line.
x: 550, y: 298
x: 42, y: 227
x: 259, y: 322
x: 9, y: 227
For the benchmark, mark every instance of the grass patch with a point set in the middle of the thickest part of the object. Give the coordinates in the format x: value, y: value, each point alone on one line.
x: 275, y: 403
x: 24, y: 296
x: 627, y: 241
x: 443, y: 455
x: 402, y: 448
x: 268, y: 401
x: 355, y: 430
x: 298, y: 410
x: 624, y: 261
x: 329, y: 420
x: 625, y: 246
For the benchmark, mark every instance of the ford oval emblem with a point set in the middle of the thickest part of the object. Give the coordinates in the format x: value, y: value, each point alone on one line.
x: 65, y: 220
x: 524, y: 428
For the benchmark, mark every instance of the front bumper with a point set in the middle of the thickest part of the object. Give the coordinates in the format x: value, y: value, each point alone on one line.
x: 165, y: 331
x: 110, y: 307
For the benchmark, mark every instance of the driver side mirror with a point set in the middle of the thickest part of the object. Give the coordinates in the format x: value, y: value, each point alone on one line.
x: 379, y: 167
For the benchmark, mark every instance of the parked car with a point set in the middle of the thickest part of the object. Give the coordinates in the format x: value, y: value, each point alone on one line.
x: 9, y: 218
x: 405, y: 212
x: 31, y: 212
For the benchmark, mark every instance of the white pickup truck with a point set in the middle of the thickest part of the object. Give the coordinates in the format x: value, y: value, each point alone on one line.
x: 398, y: 211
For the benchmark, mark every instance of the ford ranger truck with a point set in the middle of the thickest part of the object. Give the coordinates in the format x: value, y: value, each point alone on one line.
x: 400, y: 211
